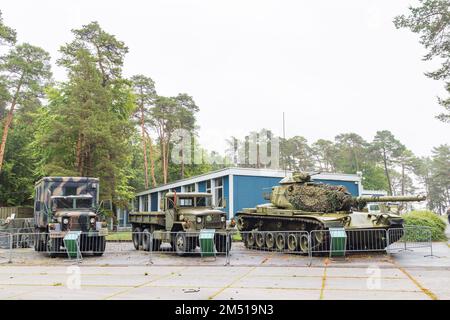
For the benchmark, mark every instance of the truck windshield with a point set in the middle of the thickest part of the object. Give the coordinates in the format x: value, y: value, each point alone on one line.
x: 203, y: 201
x: 83, y: 203
x: 64, y: 203
x: 68, y: 203
x: 186, y: 202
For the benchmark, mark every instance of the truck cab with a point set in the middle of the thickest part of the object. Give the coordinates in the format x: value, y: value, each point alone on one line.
x: 179, y: 222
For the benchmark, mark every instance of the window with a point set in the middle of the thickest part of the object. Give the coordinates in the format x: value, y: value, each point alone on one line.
x: 136, y: 204
x: 218, y: 191
x: 64, y: 203
x: 70, y: 191
x: 208, y: 186
x: 186, y: 202
x: 144, y: 203
x: 189, y: 188
x: 83, y: 203
x: 203, y: 202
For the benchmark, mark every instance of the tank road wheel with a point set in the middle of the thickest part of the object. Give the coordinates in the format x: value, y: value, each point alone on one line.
x: 318, y: 238
x: 181, y: 243
x: 292, y: 242
x: 260, y: 240
x: 270, y: 240
x: 303, y: 243
x: 137, y: 238
x: 146, y: 235
x: 250, y: 239
x: 280, y: 241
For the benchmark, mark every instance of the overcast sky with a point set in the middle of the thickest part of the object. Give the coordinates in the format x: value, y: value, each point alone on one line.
x: 331, y: 66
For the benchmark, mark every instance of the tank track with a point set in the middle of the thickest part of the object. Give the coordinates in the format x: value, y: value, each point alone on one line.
x: 320, y: 242
x: 293, y: 241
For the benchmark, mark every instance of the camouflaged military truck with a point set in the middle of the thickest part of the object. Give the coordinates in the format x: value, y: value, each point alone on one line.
x: 64, y: 204
x: 298, y: 204
x: 182, y: 217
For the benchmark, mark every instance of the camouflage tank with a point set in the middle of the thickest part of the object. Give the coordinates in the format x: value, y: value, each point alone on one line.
x: 298, y: 204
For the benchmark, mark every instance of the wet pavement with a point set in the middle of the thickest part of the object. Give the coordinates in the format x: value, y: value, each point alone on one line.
x: 123, y: 273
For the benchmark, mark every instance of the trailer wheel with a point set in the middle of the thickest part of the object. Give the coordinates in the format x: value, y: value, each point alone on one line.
x: 137, y: 237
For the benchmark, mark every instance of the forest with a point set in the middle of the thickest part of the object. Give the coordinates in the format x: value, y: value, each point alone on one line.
x: 102, y: 124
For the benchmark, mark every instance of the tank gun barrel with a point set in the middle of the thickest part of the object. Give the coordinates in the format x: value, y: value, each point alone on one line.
x: 390, y: 198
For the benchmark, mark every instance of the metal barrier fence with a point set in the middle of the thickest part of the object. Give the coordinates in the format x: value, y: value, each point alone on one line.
x: 408, y: 238
x: 264, y: 247
x: 231, y: 247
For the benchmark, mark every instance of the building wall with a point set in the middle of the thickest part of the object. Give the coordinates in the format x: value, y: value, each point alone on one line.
x: 248, y: 190
x: 202, y: 186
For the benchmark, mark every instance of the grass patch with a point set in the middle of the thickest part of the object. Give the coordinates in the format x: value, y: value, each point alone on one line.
x: 236, y: 237
x: 427, y: 219
x: 119, y: 236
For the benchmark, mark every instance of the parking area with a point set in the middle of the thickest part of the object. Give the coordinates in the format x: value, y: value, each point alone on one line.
x: 259, y: 275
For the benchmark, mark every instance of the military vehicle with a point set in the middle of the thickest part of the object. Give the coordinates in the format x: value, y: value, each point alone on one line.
x: 298, y: 204
x: 64, y: 204
x: 182, y: 217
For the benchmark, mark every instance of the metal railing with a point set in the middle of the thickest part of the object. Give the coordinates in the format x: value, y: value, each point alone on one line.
x: 408, y: 238
x: 228, y: 248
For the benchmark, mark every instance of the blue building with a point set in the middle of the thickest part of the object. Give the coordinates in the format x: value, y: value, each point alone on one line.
x: 235, y: 188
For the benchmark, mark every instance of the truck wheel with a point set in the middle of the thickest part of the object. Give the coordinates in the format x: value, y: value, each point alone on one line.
x: 137, y: 237
x: 99, y: 246
x: 221, y: 243
x: 54, y: 247
x: 146, y: 235
x: 181, y: 243
x: 156, y: 245
x: 39, y: 243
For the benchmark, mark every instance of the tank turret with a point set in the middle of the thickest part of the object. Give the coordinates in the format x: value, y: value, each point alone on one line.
x: 298, y: 192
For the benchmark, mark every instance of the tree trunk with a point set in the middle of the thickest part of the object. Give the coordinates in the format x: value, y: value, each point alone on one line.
x: 163, y: 160
x: 152, y: 160
x: 403, y: 179
x: 144, y: 147
x: 8, y: 122
x: 386, y: 171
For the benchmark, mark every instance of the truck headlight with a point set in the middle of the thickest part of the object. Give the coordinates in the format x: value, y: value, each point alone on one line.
x: 223, y: 219
x: 66, y: 221
x: 199, y: 220
x: 181, y: 217
x: 92, y: 220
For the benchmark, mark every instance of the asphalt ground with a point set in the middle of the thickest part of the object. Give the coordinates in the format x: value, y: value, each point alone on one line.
x: 123, y: 273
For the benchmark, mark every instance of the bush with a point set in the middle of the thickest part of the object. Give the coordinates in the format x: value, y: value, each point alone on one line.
x: 428, y: 219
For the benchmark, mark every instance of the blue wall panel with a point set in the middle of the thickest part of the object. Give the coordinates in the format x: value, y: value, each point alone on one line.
x: 202, y: 186
x: 351, y: 186
x: 248, y: 190
x: 154, y: 201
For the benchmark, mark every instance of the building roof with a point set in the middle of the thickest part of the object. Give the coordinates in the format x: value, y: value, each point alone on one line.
x: 247, y: 172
